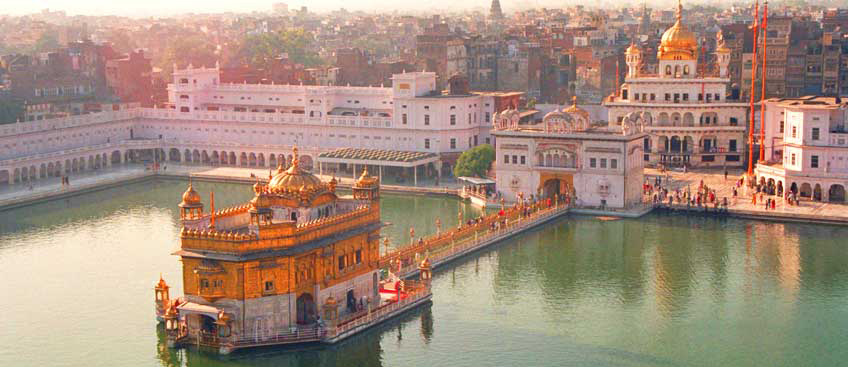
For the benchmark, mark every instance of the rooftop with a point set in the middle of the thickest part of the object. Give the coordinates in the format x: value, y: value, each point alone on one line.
x: 377, y: 156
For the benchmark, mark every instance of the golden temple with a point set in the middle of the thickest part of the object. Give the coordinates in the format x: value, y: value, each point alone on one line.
x: 294, y: 264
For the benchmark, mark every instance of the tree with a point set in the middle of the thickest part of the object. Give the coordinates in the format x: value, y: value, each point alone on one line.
x: 475, y: 161
x: 10, y: 111
x: 191, y: 49
x: 259, y: 50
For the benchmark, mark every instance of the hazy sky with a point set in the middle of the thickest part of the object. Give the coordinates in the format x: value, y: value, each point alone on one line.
x: 169, y: 7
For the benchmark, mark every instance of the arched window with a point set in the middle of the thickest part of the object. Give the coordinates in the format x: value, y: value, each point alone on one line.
x: 685, y: 69
x: 668, y: 70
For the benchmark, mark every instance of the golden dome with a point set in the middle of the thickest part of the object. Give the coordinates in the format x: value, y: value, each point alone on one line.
x: 425, y: 263
x: 573, y: 109
x: 190, y: 197
x: 294, y: 179
x: 366, y: 180
x: 633, y: 49
x: 678, y: 42
x: 260, y: 201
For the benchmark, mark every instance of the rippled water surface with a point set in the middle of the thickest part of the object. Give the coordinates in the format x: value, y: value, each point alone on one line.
x: 76, y: 280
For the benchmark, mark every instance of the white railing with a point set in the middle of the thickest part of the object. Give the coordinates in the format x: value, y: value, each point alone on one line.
x: 379, y: 314
x: 468, y: 244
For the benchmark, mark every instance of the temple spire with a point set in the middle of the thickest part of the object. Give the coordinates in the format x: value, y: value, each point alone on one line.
x: 679, y: 11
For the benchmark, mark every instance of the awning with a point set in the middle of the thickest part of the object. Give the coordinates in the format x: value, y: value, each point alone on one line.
x: 378, y: 157
x: 477, y: 181
x: 191, y: 307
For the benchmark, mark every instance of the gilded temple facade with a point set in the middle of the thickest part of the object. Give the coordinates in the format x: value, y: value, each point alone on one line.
x: 292, y: 262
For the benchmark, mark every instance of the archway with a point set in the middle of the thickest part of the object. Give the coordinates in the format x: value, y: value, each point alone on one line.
x: 232, y: 160
x: 207, y: 326
x: 97, y: 161
x: 793, y: 188
x: 663, y: 119
x: 817, y: 193
x: 779, y: 188
x: 116, y: 156
x: 4, y: 177
x: 806, y: 190
x: 223, y: 157
x: 551, y: 187
x: 42, y: 171
x: 187, y: 155
x: 688, y: 119
x: 243, y: 159
x: 836, y: 193
x: 252, y: 160
x: 272, y: 160
x: 216, y: 159
x: 74, y: 166
x: 260, y: 160
x: 174, y: 155
x: 205, y: 157
x: 676, y: 145
x: 305, y: 309
x: 195, y: 156
x: 50, y: 169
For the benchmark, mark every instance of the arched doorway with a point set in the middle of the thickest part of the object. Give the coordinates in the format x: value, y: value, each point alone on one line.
x: 676, y: 144
x: 836, y: 193
x: 116, y: 156
x: 174, y: 155
x: 817, y: 193
x: 551, y: 187
x: 806, y: 190
x: 779, y: 188
x: 207, y: 326
x: 306, y: 310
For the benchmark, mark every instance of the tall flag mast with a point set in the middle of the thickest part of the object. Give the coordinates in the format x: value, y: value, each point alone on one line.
x: 763, y: 94
x: 753, y: 84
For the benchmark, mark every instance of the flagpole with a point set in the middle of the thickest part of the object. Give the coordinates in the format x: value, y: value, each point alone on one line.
x: 753, y: 86
x: 763, y: 94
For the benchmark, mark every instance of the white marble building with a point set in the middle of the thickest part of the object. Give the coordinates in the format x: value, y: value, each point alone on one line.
x: 599, y: 166
x: 813, y: 159
x: 254, y: 126
x: 683, y: 106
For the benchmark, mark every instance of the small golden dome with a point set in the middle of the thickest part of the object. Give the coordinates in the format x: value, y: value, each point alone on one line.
x: 678, y: 42
x: 632, y: 49
x: 425, y: 263
x: 261, y: 200
x: 573, y: 109
x: 294, y: 178
x: 190, y: 197
x: 365, y: 179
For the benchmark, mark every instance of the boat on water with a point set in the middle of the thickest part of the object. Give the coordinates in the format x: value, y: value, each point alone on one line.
x: 296, y: 264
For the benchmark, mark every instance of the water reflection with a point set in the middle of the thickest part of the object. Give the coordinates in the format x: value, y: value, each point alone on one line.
x: 661, y: 290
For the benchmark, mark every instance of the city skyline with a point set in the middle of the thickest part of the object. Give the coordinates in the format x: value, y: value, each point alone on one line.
x: 170, y: 8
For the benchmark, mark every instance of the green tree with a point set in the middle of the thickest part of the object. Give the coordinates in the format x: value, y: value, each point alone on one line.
x: 475, y: 161
x: 192, y: 49
x: 259, y: 50
x: 10, y: 111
